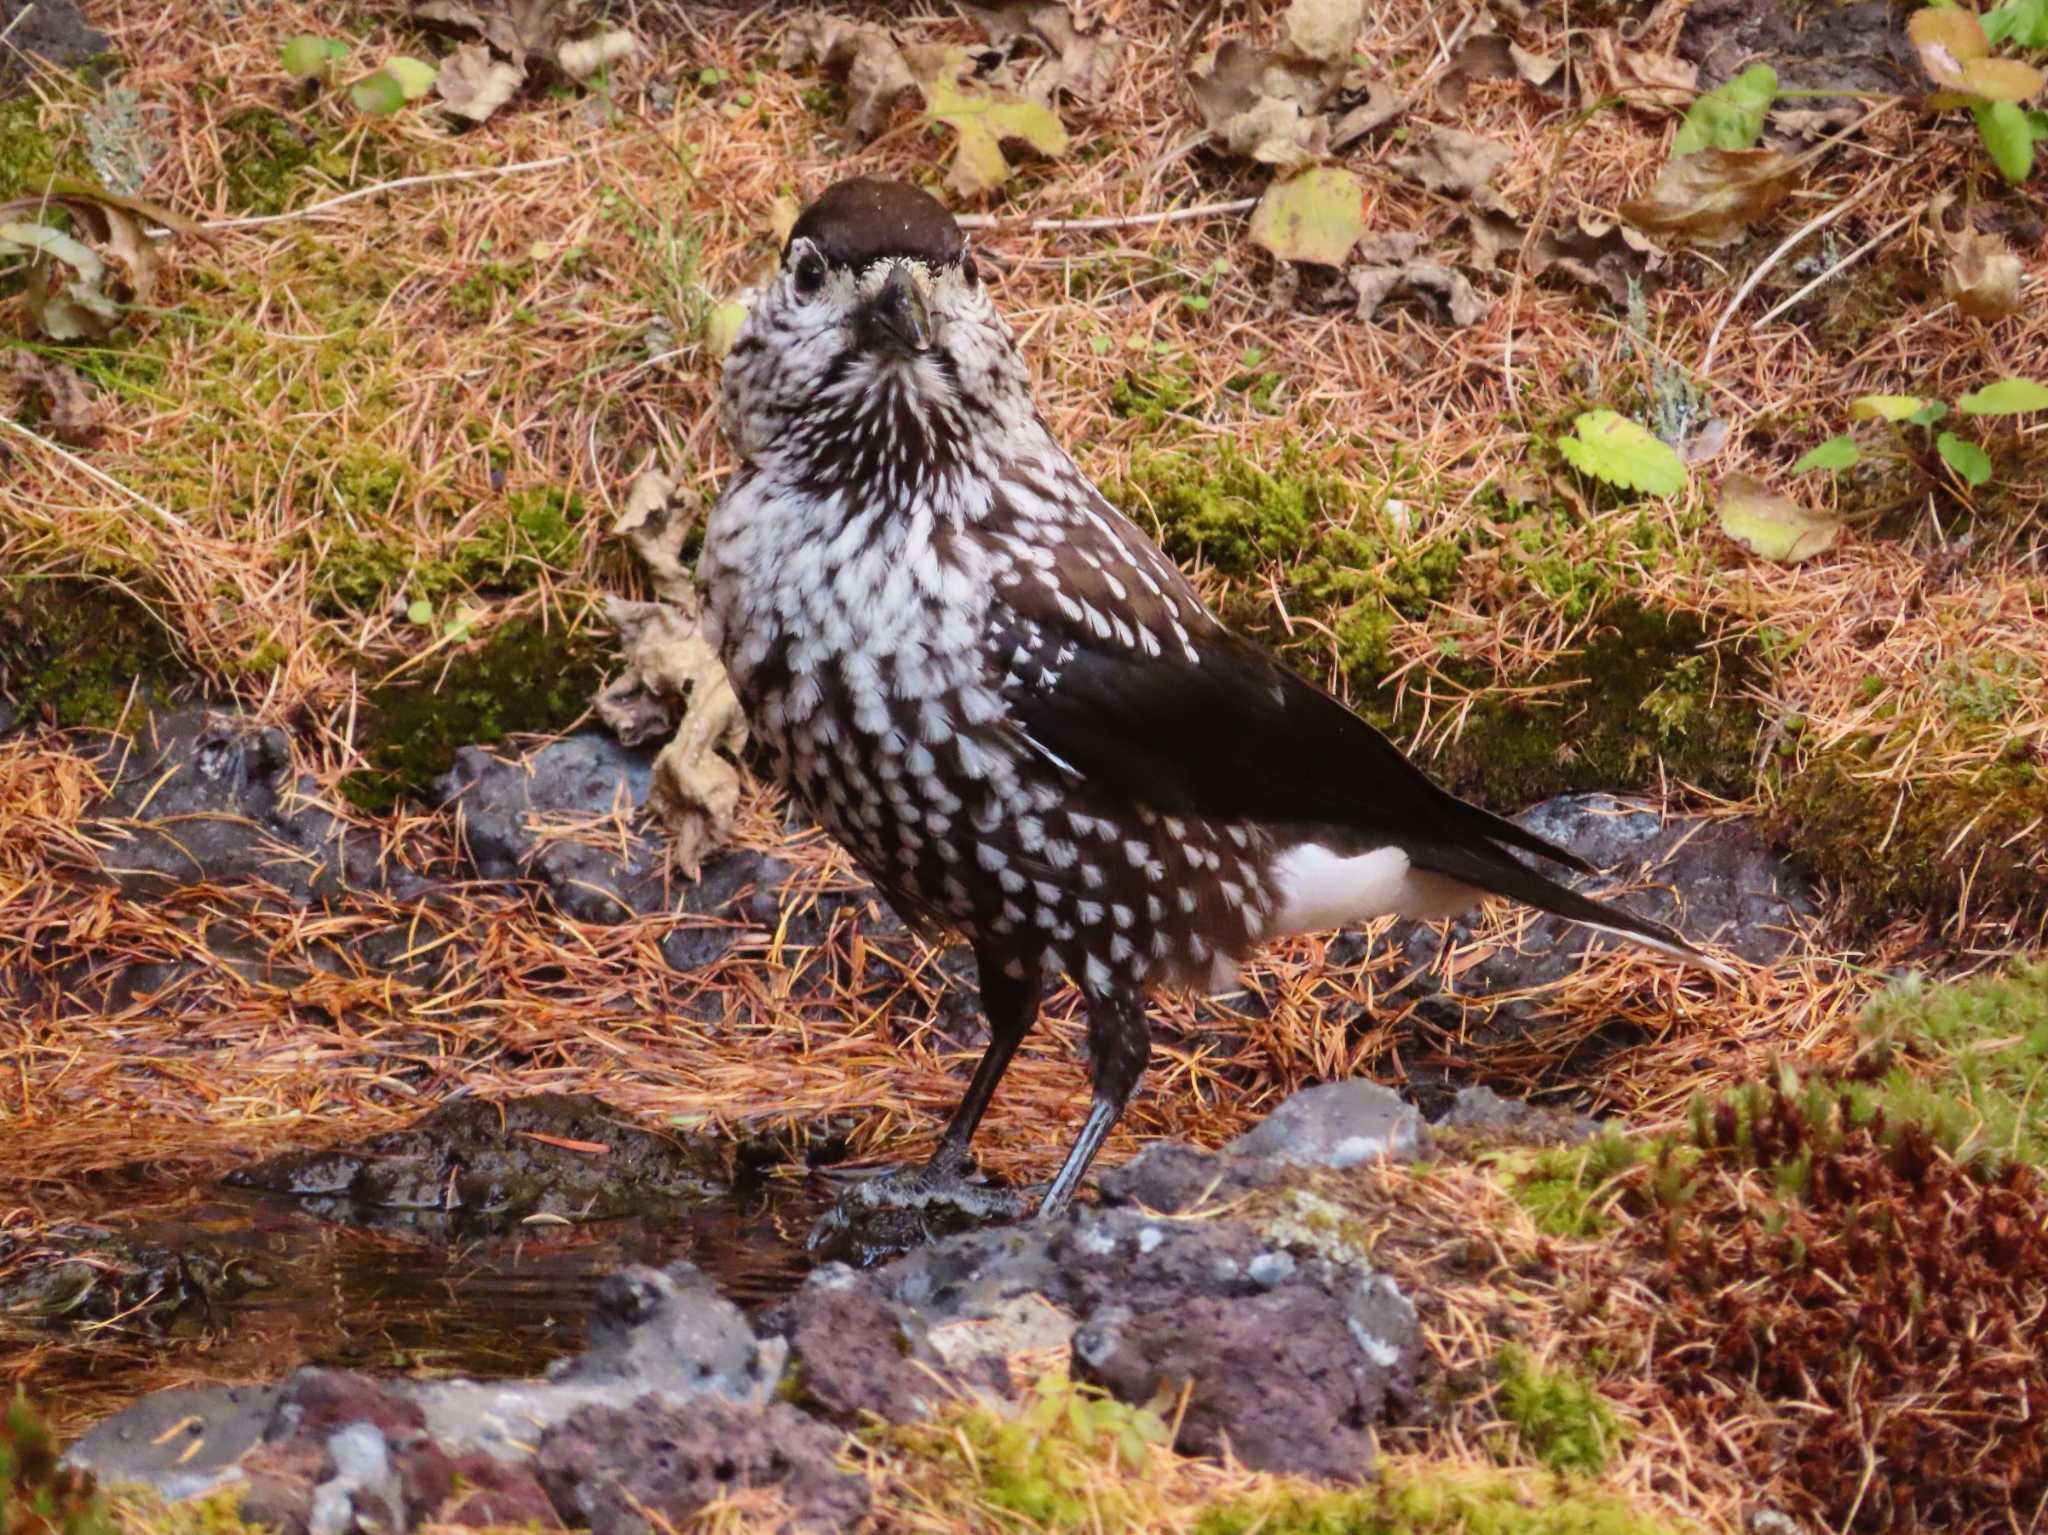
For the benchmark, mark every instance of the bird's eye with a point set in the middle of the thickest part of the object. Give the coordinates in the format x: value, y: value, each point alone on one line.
x: 810, y: 273
x: 967, y: 267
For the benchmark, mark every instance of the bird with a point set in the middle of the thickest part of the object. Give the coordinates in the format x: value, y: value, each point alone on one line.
x: 1010, y: 706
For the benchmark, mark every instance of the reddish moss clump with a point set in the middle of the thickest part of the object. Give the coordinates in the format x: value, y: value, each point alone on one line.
x: 1890, y: 1296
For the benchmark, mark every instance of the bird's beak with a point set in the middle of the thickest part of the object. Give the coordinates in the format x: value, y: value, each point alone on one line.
x: 899, y: 310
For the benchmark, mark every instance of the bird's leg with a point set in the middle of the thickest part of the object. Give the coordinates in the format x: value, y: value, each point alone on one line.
x: 913, y: 1204
x: 1011, y: 1007
x: 1119, y: 1048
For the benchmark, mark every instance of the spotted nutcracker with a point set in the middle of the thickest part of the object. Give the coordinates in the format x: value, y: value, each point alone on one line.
x: 1005, y: 700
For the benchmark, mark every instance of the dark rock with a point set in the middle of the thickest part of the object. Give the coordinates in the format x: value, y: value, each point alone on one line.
x: 1716, y: 880
x: 1336, y: 1125
x: 314, y: 1403
x: 618, y: 1471
x: 1278, y: 1378
x: 1171, y: 1178
x: 851, y: 1354
x: 278, y: 1494
x: 483, y: 1166
x: 45, y: 29
x: 494, y: 1495
x: 1482, y: 1111
x: 206, y: 798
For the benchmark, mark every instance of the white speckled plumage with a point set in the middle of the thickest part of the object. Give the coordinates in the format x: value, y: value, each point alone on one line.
x: 1003, y: 698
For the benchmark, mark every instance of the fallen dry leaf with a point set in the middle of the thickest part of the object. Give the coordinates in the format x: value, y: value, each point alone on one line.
x: 1713, y: 196
x: 1639, y: 77
x: 1270, y: 105
x: 1449, y: 290
x: 1492, y: 56
x: 585, y: 56
x: 474, y: 84
x: 1457, y: 164
x: 1079, y: 61
x: 1957, y: 56
x: 865, y: 57
x: 1772, y: 526
x: 1982, y: 275
x: 51, y: 395
x: 673, y: 679
x: 515, y: 28
x: 1381, y: 106
x: 72, y: 291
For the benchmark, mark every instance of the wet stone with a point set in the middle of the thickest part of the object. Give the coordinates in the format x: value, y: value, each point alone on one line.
x: 1336, y: 1125
x: 619, y: 1471
x: 480, y: 1166
x: 852, y: 1355
x: 1479, y: 1110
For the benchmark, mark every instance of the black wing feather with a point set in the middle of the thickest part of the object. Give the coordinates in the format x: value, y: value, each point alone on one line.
x: 1234, y: 735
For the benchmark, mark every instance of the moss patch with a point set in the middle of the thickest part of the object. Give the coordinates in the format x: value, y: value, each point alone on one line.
x: 75, y: 652
x: 1643, y: 699
x: 1893, y: 849
x: 1560, y: 1418
x: 36, y: 1495
x: 520, y: 678
x: 1414, y: 1500
x: 532, y: 534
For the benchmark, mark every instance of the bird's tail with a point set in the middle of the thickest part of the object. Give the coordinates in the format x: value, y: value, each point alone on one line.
x: 1498, y: 872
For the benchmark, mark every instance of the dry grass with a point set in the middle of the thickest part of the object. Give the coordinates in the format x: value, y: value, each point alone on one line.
x: 391, y: 369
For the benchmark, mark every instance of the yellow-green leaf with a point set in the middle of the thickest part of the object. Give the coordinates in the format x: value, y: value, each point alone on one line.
x: 1316, y: 217
x: 2007, y: 397
x: 1886, y: 407
x: 1613, y: 448
x: 1772, y: 526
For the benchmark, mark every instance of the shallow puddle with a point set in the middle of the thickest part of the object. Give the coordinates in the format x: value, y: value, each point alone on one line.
x: 231, y: 1285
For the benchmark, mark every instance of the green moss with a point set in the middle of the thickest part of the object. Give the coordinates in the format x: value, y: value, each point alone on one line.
x: 1643, y: 699
x: 1412, y: 1500
x: 1561, y: 1419
x: 1053, y: 1463
x: 1152, y: 395
x: 520, y: 678
x: 1899, y: 849
x: 270, y: 157
x: 37, y: 1497
x: 28, y: 156
x: 1314, y: 534
x: 1565, y: 1188
x: 1969, y: 1059
x: 77, y: 652
x: 534, y: 532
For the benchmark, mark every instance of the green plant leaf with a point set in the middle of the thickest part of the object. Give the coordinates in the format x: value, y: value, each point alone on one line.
x: 1885, y: 407
x: 722, y: 327
x: 1929, y: 413
x: 2023, y: 23
x: 420, y: 612
x: 378, y: 95
x: 1835, y: 454
x: 414, y: 76
x: 1965, y: 457
x: 1316, y: 217
x: 1731, y: 116
x: 1613, y: 448
x: 308, y: 58
x: 2008, y: 137
x: 2007, y: 397
x: 1773, y: 526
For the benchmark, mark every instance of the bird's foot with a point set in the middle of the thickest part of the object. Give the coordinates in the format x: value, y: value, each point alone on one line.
x: 906, y: 1207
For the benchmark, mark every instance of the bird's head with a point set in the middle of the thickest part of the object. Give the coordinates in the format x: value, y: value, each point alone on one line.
x: 875, y: 338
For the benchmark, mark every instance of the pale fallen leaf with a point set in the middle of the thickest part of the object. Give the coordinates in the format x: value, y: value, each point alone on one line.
x: 1712, y: 197
x: 1457, y: 164
x: 865, y: 57
x: 1982, y: 276
x: 1772, y: 526
x: 1450, y: 290
x: 1639, y: 77
x: 1080, y: 61
x: 1316, y: 216
x: 80, y: 286
x: 1956, y: 54
x: 52, y: 396
x: 585, y: 56
x: 1266, y: 106
x: 1324, y: 29
x: 1596, y: 253
x: 989, y: 124
x: 673, y: 679
x: 1382, y: 104
x: 473, y: 84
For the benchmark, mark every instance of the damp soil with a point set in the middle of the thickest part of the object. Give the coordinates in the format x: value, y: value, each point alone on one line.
x: 142, y: 1286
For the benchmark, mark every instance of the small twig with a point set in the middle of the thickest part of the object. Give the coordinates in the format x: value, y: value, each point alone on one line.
x: 169, y: 518
x: 1847, y: 261
x: 1111, y: 221
x: 435, y: 178
x: 1764, y: 268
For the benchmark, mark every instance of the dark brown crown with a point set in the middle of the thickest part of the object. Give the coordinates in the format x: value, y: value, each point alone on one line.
x: 866, y: 220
